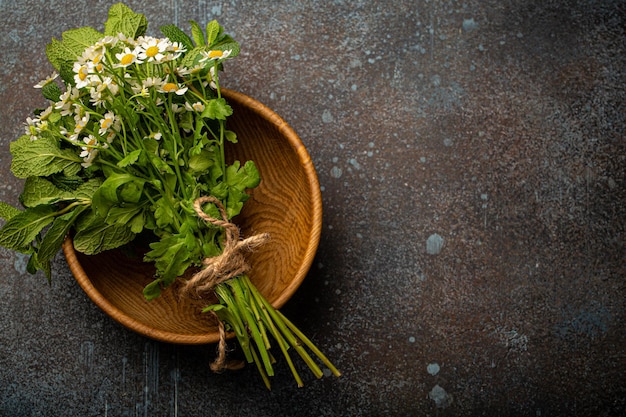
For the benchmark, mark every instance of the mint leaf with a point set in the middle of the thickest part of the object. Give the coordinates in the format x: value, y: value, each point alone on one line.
x: 213, y: 29
x: 39, y: 191
x: 35, y: 264
x: 20, y: 231
x: 62, y: 54
x: 94, y: 235
x: 41, y: 157
x: 88, y: 189
x: 197, y: 34
x: 123, y: 20
x: 175, y: 34
x: 7, y: 211
x: 51, y: 91
x: 53, y: 239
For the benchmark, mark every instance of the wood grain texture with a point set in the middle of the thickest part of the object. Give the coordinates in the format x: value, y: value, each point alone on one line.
x: 287, y: 205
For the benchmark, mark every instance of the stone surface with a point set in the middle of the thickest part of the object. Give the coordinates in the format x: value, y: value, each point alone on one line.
x: 497, y: 124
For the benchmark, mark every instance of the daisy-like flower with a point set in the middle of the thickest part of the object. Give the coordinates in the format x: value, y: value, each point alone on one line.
x: 198, y: 106
x: 127, y: 57
x: 175, y: 49
x: 215, y: 54
x: 90, y: 150
x: 103, y: 90
x: 31, y: 128
x: 81, y: 76
x: 153, y: 49
x: 107, y: 42
x: 81, y: 123
x: 154, y: 135
x: 170, y: 87
x: 48, y: 80
x: 66, y: 101
x: 108, y: 122
x: 150, y: 83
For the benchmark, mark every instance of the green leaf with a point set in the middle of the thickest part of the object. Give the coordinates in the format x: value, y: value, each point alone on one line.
x: 88, y: 189
x: 242, y: 177
x: 217, y: 109
x: 51, y: 91
x: 175, y: 34
x: 53, y: 239
x: 41, y: 157
x: 7, y: 211
x: 66, y: 183
x: 213, y: 29
x: 130, y: 159
x: 118, y: 188
x: 73, y: 44
x: 201, y: 162
x: 197, y: 34
x: 35, y: 264
x: 230, y: 136
x: 163, y: 213
x: 123, y: 20
x: 129, y: 215
x: 152, y: 290
x: 20, y: 231
x: 94, y: 235
x: 171, y: 256
x: 38, y: 190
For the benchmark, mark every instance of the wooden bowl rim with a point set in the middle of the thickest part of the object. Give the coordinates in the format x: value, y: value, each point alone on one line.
x: 316, y: 199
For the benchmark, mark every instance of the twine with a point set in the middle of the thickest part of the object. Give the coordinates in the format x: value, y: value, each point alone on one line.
x: 217, y: 269
x: 231, y: 262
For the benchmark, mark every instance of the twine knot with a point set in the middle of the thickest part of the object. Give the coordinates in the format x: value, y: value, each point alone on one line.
x: 231, y: 262
x: 217, y: 269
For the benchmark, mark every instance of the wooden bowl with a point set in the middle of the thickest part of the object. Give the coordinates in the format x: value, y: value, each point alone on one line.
x: 287, y: 205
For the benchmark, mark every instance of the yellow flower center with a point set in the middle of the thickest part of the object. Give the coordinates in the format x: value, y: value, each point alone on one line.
x: 82, y: 74
x: 106, y: 123
x: 152, y: 51
x: 127, y: 59
x: 215, y: 54
x: 169, y: 87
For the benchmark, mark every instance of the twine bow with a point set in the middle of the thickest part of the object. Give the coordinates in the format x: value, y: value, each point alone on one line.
x: 217, y: 269
x: 231, y: 262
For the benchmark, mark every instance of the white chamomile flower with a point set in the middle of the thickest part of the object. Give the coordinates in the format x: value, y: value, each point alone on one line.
x: 173, y: 88
x: 81, y: 75
x: 215, y: 54
x: 198, y: 106
x: 42, y: 84
x: 90, y: 151
x: 127, y: 57
x: 31, y: 128
x: 153, y: 49
x: 107, y: 122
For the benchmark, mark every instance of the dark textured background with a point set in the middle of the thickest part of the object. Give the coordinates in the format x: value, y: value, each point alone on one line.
x: 496, y: 127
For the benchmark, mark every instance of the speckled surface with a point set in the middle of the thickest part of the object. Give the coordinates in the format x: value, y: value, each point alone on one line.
x: 472, y: 157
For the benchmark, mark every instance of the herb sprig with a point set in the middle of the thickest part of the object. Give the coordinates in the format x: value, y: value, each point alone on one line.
x: 125, y: 150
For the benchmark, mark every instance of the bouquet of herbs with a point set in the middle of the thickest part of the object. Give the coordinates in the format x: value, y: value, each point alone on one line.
x: 133, y: 145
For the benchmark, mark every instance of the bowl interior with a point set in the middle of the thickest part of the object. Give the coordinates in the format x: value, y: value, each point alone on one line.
x: 286, y: 204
